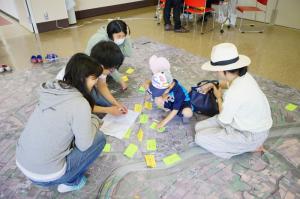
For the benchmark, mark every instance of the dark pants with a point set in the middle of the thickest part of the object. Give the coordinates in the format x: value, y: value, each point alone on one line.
x: 177, y: 6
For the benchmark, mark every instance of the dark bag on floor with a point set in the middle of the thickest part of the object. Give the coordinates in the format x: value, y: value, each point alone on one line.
x: 205, y: 104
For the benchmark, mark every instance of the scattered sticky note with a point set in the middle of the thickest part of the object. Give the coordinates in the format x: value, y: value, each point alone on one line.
x: 140, y: 135
x: 107, y: 148
x: 127, y: 135
x: 291, y: 107
x: 138, y: 108
x: 142, y: 90
x: 130, y: 150
x: 151, y: 145
x: 144, y: 118
x: 161, y: 130
x: 129, y: 70
x: 150, y: 161
x: 148, y: 105
x: 172, y: 159
x: 125, y: 78
x: 153, y: 125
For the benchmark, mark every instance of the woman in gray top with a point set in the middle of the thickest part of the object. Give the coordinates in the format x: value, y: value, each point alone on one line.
x: 62, y: 138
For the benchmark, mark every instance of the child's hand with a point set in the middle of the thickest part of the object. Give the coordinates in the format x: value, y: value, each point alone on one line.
x: 160, y: 124
x: 146, y: 84
x: 124, y: 86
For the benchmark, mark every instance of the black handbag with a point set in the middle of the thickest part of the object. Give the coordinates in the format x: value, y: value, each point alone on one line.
x: 205, y: 104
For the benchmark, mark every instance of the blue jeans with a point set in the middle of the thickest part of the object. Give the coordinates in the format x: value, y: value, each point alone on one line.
x: 78, y: 163
x: 100, y: 100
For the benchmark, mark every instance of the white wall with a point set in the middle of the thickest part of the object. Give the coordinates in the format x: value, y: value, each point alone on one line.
x: 9, y: 6
x: 288, y: 12
x: 56, y: 10
x: 24, y: 18
x: 89, y: 4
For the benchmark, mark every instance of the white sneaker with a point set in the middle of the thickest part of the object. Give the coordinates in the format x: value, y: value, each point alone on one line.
x: 6, y: 68
x: 62, y: 188
x: 1, y: 69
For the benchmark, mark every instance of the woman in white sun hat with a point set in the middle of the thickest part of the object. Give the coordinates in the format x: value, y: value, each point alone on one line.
x: 245, y: 118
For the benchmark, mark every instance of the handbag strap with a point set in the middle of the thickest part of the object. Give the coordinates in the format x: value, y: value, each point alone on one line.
x: 203, y: 82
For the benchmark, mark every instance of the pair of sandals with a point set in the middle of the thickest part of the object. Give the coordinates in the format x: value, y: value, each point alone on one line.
x: 39, y: 59
x: 36, y: 59
x: 5, y: 68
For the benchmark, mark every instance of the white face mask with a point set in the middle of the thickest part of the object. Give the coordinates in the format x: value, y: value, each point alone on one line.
x: 119, y: 41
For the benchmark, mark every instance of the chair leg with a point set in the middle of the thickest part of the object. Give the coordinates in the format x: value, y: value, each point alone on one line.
x: 241, y: 22
x: 251, y: 31
x: 214, y: 20
x: 202, y: 24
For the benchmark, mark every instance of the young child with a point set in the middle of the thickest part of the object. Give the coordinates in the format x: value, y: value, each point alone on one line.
x: 118, y: 32
x: 109, y: 56
x: 167, y: 92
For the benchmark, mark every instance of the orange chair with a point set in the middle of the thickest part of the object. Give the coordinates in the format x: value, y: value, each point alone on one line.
x: 253, y: 9
x: 198, y: 7
x: 159, y: 10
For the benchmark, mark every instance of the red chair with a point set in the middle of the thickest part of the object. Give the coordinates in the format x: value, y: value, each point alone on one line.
x: 198, y: 7
x: 253, y: 9
x: 159, y: 10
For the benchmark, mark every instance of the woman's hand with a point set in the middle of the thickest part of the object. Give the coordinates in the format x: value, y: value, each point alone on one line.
x: 115, y: 110
x: 122, y: 108
x: 205, y: 88
x: 217, y: 92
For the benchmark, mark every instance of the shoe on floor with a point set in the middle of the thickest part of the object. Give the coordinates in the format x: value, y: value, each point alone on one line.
x: 33, y: 59
x: 39, y: 58
x: 63, y: 188
x: 181, y: 30
x: 2, y: 69
x: 168, y: 27
x: 6, y: 68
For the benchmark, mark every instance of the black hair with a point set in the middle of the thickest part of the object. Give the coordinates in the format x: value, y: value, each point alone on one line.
x: 116, y: 26
x: 79, y: 67
x: 240, y: 71
x: 108, y: 54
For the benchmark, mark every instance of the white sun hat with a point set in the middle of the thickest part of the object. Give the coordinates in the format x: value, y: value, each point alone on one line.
x: 225, y: 57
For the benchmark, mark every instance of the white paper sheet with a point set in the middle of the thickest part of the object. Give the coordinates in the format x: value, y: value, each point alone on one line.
x: 117, y: 126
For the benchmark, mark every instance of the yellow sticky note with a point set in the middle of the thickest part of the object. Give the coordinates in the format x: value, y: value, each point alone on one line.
x: 125, y: 78
x: 127, y: 135
x: 140, y: 135
x: 138, y: 108
x: 129, y: 70
x: 161, y: 130
x: 291, y: 107
x: 150, y: 161
x: 151, y: 145
x: 148, y: 105
x: 172, y: 159
x: 107, y: 148
x: 153, y: 125
x: 130, y: 150
x: 142, y: 90
x: 144, y: 118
